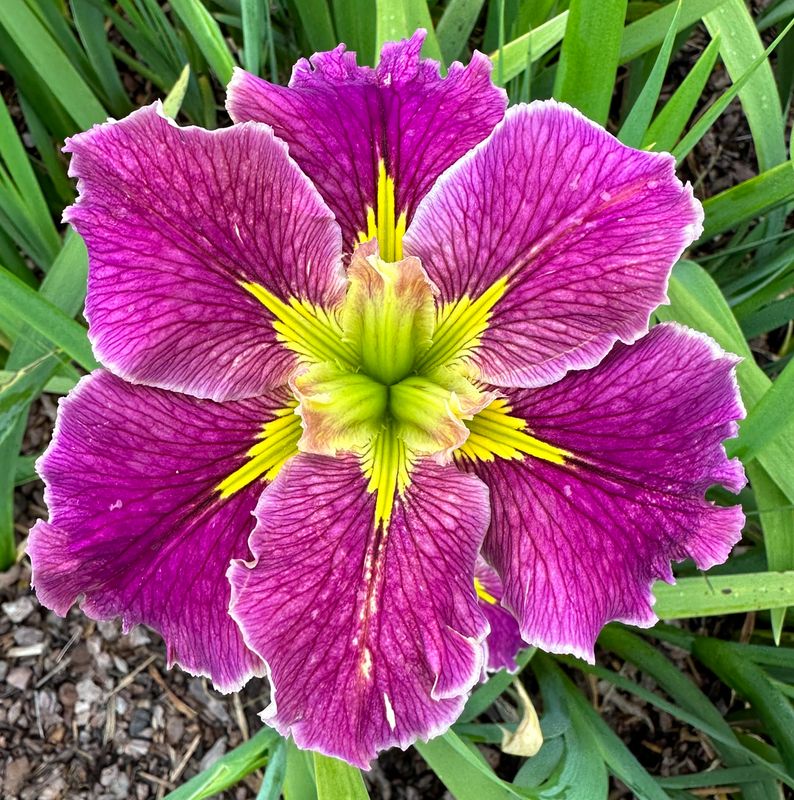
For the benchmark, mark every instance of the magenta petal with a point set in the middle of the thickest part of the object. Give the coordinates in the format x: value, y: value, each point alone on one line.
x: 174, y: 219
x: 339, y: 119
x: 372, y: 639
x: 586, y: 229
x: 135, y: 523
x: 504, y: 641
x: 579, y: 544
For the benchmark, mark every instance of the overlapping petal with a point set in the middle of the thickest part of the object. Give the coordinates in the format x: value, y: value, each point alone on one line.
x: 372, y: 636
x: 584, y: 229
x: 504, y: 640
x: 175, y: 219
x: 136, y: 523
x: 340, y: 120
x: 578, y: 544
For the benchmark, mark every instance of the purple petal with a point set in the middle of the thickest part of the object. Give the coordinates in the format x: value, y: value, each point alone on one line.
x: 340, y: 120
x: 372, y: 637
x: 586, y: 229
x: 136, y: 523
x: 579, y: 544
x: 504, y: 641
x: 174, y: 219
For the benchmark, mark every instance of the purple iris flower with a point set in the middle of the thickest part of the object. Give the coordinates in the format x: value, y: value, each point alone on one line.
x: 377, y: 331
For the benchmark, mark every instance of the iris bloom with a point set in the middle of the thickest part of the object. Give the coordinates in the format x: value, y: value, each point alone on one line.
x: 374, y: 330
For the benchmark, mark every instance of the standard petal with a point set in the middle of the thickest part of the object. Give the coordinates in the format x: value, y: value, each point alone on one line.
x: 372, y: 635
x: 138, y: 525
x: 579, y: 543
x: 504, y: 641
x: 340, y: 120
x: 569, y: 235
x: 176, y: 221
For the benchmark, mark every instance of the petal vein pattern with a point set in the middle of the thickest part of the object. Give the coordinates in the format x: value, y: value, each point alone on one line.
x: 578, y: 542
x: 581, y: 231
x: 374, y: 141
x: 372, y: 635
x: 137, y: 525
x: 175, y: 221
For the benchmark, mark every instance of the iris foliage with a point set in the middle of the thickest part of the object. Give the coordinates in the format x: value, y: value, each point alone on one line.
x: 70, y: 65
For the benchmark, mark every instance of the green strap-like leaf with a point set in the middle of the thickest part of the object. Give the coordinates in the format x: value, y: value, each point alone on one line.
x: 589, y: 57
x: 398, y: 19
x: 337, y: 780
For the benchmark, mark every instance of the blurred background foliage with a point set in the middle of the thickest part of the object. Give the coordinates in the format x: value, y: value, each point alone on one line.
x: 709, y: 80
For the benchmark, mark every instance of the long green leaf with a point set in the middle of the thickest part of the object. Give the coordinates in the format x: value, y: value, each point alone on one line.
x: 633, y: 129
x: 466, y: 776
x: 207, y: 35
x: 686, y: 694
x: 229, y: 769
x: 589, y: 56
x: 749, y: 680
x: 512, y: 60
x: 46, y: 318
x: 669, y: 124
x: 749, y: 199
x: 740, y: 45
x: 355, y: 26
x: 455, y: 27
x: 335, y: 779
x: 64, y: 285
x: 715, y: 595
x: 253, y: 20
x: 55, y: 70
x: 648, y: 32
x: 315, y: 16
x: 710, y: 116
x: 398, y: 19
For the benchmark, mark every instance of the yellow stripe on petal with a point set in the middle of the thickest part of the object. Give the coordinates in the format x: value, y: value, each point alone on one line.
x: 387, y: 464
x: 384, y: 223
x: 306, y: 329
x: 278, y: 442
x: 483, y: 593
x: 495, y: 433
x: 460, y: 326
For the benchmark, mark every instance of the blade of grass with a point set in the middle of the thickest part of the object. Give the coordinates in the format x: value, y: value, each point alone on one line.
x: 46, y: 318
x: 777, y: 520
x: 669, y: 124
x: 64, y: 285
x: 740, y: 46
x: 208, y: 37
x: 643, y: 35
x: 315, y: 17
x: 697, y: 131
x: 636, y: 124
x: 748, y: 200
x: 55, y: 70
x: 589, y: 56
x: 355, y: 26
x: 229, y: 769
x: 299, y: 776
x: 455, y: 27
x: 90, y: 24
x: 398, y: 19
x: 513, y: 58
x: 714, y: 595
x: 173, y: 100
x: 750, y: 681
x: 688, y: 696
x: 465, y: 775
x: 336, y: 779
x: 253, y: 20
